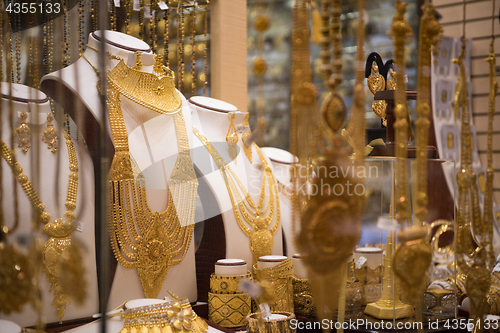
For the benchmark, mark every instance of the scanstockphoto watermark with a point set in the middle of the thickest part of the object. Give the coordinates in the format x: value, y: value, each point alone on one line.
x: 326, y: 324
x: 322, y: 179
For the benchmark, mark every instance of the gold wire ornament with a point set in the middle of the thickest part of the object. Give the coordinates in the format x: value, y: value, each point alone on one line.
x: 23, y: 133
x: 50, y: 134
x: 232, y: 139
x: 247, y: 148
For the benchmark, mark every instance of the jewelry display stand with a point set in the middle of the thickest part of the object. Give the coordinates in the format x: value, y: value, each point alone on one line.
x: 50, y: 180
x: 281, y: 161
x: 212, y: 118
x: 152, y: 143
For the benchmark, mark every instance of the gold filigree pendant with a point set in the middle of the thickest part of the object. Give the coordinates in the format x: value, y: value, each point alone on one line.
x: 153, y: 258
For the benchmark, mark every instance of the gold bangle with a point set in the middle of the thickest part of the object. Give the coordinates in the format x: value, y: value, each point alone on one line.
x: 303, y: 299
x: 281, y: 325
x: 278, y: 280
x: 226, y: 284
x: 228, y: 310
x: 171, y: 316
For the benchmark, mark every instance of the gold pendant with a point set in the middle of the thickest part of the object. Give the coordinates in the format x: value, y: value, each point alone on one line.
x: 411, y: 261
x: 261, y: 240
x: 378, y: 107
x: 153, y: 258
x: 334, y: 111
x: 62, y: 263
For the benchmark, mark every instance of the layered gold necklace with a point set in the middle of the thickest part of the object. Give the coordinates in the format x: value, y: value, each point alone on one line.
x: 151, y: 242
x: 258, y: 216
x: 61, y: 256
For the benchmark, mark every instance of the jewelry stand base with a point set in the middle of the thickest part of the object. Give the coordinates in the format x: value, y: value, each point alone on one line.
x: 387, y: 310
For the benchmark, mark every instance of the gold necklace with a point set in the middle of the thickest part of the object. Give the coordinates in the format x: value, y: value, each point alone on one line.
x: 481, y: 258
x: 141, y: 239
x: 245, y: 209
x: 414, y: 256
x: 60, y: 247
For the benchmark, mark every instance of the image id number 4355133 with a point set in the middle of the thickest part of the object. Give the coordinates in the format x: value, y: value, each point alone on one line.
x: 31, y: 7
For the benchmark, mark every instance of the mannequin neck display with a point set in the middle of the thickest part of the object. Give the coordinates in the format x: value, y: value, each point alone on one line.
x: 49, y: 177
x: 152, y: 142
x: 212, y: 118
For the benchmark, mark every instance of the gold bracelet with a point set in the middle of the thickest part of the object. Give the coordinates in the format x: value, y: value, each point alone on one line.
x: 174, y: 316
x: 281, y: 325
x: 279, y: 285
x: 228, y: 310
x: 226, y: 284
x: 303, y: 299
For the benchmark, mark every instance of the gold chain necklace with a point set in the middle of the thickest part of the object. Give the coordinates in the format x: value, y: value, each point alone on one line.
x: 141, y: 239
x: 60, y: 248
x: 245, y: 209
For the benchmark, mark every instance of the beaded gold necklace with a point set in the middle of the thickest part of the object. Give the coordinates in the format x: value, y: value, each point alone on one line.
x: 140, y: 238
x: 245, y: 209
x: 59, y: 248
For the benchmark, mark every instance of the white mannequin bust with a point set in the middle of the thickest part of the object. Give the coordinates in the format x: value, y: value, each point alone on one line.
x: 49, y: 170
x: 212, y: 118
x: 281, y: 161
x: 153, y: 145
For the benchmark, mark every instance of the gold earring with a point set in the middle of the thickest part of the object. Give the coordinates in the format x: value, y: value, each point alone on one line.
x: 158, y: 67
x: 50, y: 134
x: 23, y: 133
x: 244, y: 138
x: 376, y: 83
x: 138, y: 63
x: 232, y: 139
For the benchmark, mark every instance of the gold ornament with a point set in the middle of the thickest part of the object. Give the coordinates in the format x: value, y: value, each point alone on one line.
x: 60, y: 247
x: 23, y: 133
x: 232, y: 139
x: 303, y: 298
x: 226, y: 284
x: 229, y: 310
x: 247, y: 147
x: 375, y: 82
x: 150, y: 242
x: 170, y: 317
x: 50, y: 134
x: 261, y: 23
x: 256, y: 324
x: 475, y: 262
x: 277, y: 281
x: 330, y: 225
x: 259, y: 65
x: 245, y: 209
